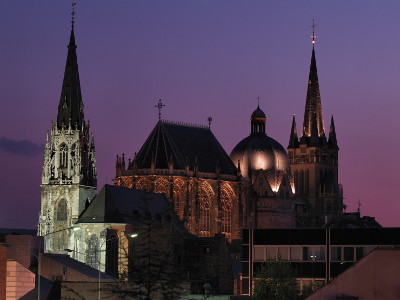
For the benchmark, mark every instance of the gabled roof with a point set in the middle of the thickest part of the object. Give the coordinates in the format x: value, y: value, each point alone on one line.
x: 182, y: 144
x: 115, y: 204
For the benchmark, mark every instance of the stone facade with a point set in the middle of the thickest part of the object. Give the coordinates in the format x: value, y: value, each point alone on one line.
x: 69, y: 167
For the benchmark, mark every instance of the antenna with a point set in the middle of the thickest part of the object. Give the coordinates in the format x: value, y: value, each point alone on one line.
x: 313, y: 31
x: 359, y: 205
x: 73, y: 15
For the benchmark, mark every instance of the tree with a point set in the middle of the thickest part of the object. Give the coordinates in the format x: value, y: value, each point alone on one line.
x: 275, y: 280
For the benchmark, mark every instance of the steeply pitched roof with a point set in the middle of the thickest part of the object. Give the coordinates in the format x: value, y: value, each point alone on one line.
x: 184, y: 144
x: 115, y: 204
x: 70, y: 108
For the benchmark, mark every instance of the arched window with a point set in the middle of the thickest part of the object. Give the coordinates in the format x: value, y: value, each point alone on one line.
x: 62, y: 210
x: 205, y: 196
x: 63, y: 156
x: 161, y: 186
x: 92, y: 251
x: 226, y: 199
x: 143, y: 184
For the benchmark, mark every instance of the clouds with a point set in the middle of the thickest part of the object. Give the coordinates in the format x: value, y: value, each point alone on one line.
x: 24, y: 147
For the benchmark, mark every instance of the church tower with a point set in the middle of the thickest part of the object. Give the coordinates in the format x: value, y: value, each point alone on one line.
x: 314, y: 159
x: 69, y: 167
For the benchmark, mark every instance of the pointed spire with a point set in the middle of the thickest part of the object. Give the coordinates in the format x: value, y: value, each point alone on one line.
x: 313, y: 108
x: 293, y: 141
x: 71, y: 105
x: 332, y: 142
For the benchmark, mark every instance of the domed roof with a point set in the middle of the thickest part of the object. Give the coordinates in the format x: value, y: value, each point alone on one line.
x: 260, y: 152
x: 258, y: 113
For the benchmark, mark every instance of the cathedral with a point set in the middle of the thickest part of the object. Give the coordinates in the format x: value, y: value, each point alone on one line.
x: 259, y: 185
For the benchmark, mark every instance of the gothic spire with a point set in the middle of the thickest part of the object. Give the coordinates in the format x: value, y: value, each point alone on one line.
x: 313, y: 109
x: 70, y: 108
x: 332, y: 142
x: 293, y: 141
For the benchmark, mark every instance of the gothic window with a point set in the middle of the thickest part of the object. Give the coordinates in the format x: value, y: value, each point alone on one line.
x: 143, y: 184
x: 63, y: 156
x: 179, y: 197
x: 205, y: 196
x: 161, y: 186
x: 226, y: 199
x: 62, y: 210
x: 92, y: 251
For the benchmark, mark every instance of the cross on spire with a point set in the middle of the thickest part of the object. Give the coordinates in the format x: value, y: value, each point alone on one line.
x: 159, y: 105
x: 73, y: 14
x: 313, y: 31
x: 258, y: 101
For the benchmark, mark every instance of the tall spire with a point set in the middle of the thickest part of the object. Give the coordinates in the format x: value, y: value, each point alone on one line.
x: 332, y: 142
x: 70, y: 108
x: 293, y: 141
x: 313, y: 109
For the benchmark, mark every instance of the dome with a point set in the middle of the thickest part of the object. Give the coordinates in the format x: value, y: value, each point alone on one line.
x: 258, y: 113
x: 260, y: 152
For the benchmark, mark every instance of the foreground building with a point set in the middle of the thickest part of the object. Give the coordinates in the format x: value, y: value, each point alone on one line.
x: 318, y: 255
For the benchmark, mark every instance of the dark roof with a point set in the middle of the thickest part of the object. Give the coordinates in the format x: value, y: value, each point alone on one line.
x: 115, y: 204
x: 258, y: 113
x: 184, y: 144
x: 70, y: 108
x: 82, y: 268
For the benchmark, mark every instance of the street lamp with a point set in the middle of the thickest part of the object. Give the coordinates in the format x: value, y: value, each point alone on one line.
x: 8, y: 246
x: 74, y: 228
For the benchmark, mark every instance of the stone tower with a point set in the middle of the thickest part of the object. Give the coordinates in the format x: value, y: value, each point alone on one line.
x: 314, y: 159
x: 69, y: 167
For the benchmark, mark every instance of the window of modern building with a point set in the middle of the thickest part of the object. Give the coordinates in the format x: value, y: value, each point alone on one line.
x: 283, y: 252
x: 336, y: 253
x: 271, y: 253
x: 295, y: 253
x: 348, y: 253
x: 259, y: 253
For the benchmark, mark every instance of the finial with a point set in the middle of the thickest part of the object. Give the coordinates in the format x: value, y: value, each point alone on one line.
x: 209, y: 119
x: 73, y: 15
x: 258, y: 101
x: 359, y: 205
x: 313, y: 31
x: 159, y: 105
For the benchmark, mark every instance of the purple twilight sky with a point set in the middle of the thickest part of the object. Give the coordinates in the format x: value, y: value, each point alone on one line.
x: 203, y: 58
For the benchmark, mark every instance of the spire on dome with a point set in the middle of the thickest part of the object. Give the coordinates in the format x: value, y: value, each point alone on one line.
x: 70, y: 108
x: 293, y: 141
x: 313, y: 108
x: 332, y: 141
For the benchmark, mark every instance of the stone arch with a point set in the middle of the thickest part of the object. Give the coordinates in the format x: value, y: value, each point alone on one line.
x: 205, y: 200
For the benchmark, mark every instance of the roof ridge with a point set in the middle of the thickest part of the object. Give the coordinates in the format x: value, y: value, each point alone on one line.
x: 185, y: 124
